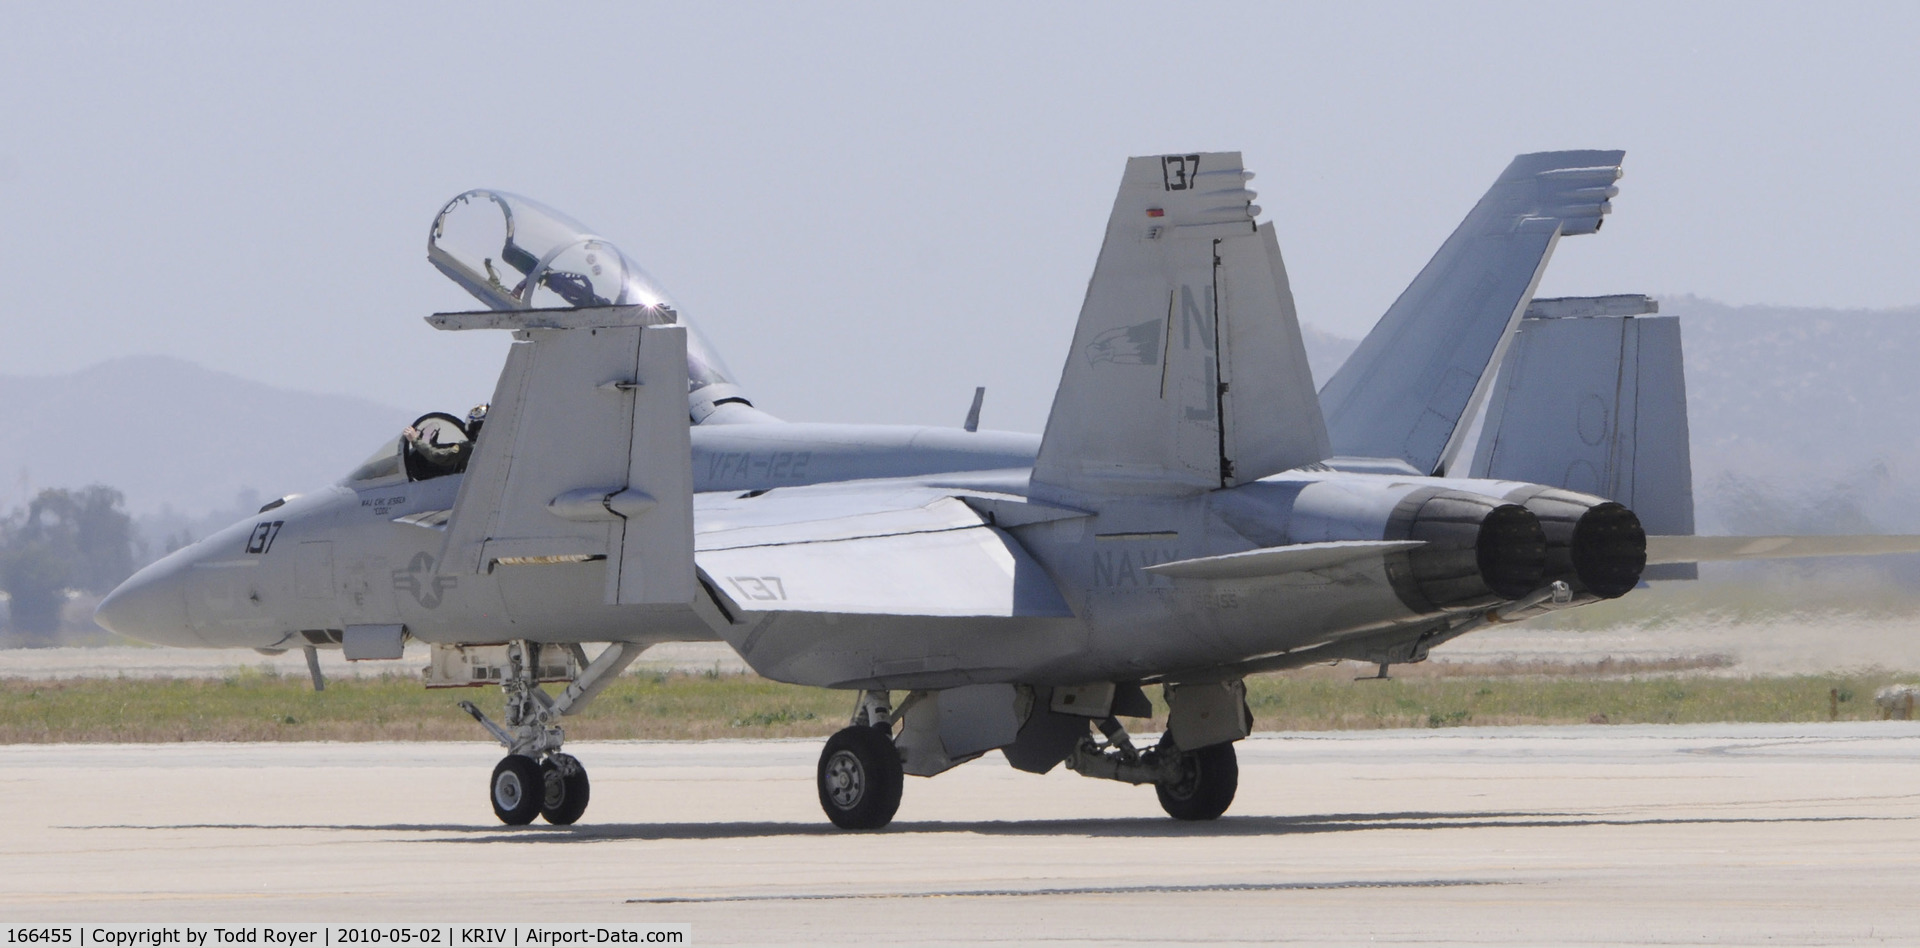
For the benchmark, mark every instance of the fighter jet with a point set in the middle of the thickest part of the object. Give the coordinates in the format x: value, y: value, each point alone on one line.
x: 1195, y: 511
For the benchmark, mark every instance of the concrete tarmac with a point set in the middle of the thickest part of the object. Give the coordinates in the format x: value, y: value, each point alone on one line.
x: 1721, y: 834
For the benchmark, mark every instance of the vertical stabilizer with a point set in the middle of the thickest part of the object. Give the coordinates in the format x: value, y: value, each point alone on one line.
x: 1595, y: 403
x: 1187, y: 372
x: 1426, y: 364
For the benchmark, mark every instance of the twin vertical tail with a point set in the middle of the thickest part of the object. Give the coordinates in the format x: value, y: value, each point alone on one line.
x: 1409, y: 388
x: 1187, y: 371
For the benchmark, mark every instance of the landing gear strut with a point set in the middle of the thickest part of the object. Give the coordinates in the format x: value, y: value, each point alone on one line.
x: 859, y: 776
x: 535, y: 778
x: 1191, y: 784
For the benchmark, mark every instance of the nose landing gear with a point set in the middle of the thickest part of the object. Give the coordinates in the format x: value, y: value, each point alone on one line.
x: 564, y: 782
x: 517, y: 790
x: 535, y: 778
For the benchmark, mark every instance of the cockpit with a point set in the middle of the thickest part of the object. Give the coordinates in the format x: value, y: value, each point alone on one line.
x: 435, y: 445
x: 514, y: 253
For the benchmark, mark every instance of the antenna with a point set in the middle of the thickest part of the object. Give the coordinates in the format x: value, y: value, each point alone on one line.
x: 973, y: 414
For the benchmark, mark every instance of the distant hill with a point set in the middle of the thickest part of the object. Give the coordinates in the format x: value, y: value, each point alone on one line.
x: 1804, y: 420
x: 169, y: 433
x: 1325, y: 352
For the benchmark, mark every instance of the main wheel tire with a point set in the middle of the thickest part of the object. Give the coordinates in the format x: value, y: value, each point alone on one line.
x: 567, y: 791
x: 860, y: 778
x: 1204, y: 790
x: 516, y: 789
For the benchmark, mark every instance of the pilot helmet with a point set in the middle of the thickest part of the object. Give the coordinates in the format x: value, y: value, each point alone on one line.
x: 478, y: 414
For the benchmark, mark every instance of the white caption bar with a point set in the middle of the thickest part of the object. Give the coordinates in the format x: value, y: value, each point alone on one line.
x: 340, y: 936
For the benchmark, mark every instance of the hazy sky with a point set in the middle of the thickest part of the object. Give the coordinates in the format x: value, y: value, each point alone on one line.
x: 872, y: 208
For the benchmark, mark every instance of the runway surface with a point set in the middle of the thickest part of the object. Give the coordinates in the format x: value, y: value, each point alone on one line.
x: 1724, y: 834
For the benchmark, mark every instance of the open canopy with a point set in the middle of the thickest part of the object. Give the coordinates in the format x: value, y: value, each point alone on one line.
x: 514, y: 253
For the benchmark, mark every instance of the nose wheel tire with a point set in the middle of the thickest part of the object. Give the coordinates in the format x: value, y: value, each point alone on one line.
x: 564, y: 782
x: 860, y: 778
x: 517, y: 789
x: 1204, y: 788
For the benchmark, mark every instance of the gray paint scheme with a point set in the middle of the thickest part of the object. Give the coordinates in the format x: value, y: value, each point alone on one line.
x: 1180, y: 521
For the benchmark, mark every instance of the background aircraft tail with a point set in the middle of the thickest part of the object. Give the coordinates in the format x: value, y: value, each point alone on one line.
x: 1187, y: 371
x: 1425, y: 365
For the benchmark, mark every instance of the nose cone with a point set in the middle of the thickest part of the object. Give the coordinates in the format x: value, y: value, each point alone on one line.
x: 150, y: 606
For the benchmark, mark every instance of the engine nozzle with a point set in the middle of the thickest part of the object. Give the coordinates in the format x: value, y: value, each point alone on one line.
x: 1594, y: 544
x: 1478, y: 550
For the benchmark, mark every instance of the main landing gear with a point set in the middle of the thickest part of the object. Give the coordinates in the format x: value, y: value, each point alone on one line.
x: 1191, y: 784
x: 859, y: 776
x: 861, y: 770
x: 535, y: 778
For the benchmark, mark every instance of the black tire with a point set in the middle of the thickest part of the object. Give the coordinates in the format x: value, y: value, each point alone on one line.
x: 516, y: 789
x: 567, y: 791
x: 1204, y: 790
x: 859, y: 778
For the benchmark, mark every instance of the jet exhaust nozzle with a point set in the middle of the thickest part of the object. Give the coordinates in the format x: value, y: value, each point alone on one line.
x: 1595, y: 545
x: 1609, y: 550
x: 1479, y: 551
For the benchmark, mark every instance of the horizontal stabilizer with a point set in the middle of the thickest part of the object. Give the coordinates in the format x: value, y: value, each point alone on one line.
x: 1666, y: 549
x: 1424, y: 367
x: 1273, y: 561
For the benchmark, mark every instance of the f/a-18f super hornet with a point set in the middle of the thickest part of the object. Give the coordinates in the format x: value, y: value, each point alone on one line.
x: 1195, y: 511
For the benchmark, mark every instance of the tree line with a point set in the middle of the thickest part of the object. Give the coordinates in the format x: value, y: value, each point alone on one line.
x: 63, y: 541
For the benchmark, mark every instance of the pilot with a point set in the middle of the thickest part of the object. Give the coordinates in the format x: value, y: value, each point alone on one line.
x: 446, y: 458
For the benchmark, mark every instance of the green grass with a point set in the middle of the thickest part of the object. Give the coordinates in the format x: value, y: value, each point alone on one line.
x: 252, y: 706
x: 1326, y: 703
x: 255, y: 706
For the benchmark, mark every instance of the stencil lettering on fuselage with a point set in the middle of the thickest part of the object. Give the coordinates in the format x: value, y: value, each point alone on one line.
x: 746, y: 465
x: 1125, y: 568
x: 261, y: 539
x: 381, y: 506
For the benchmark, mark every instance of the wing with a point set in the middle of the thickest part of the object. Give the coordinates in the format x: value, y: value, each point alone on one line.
x: 1424, y: 366
x: 867, y: 550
